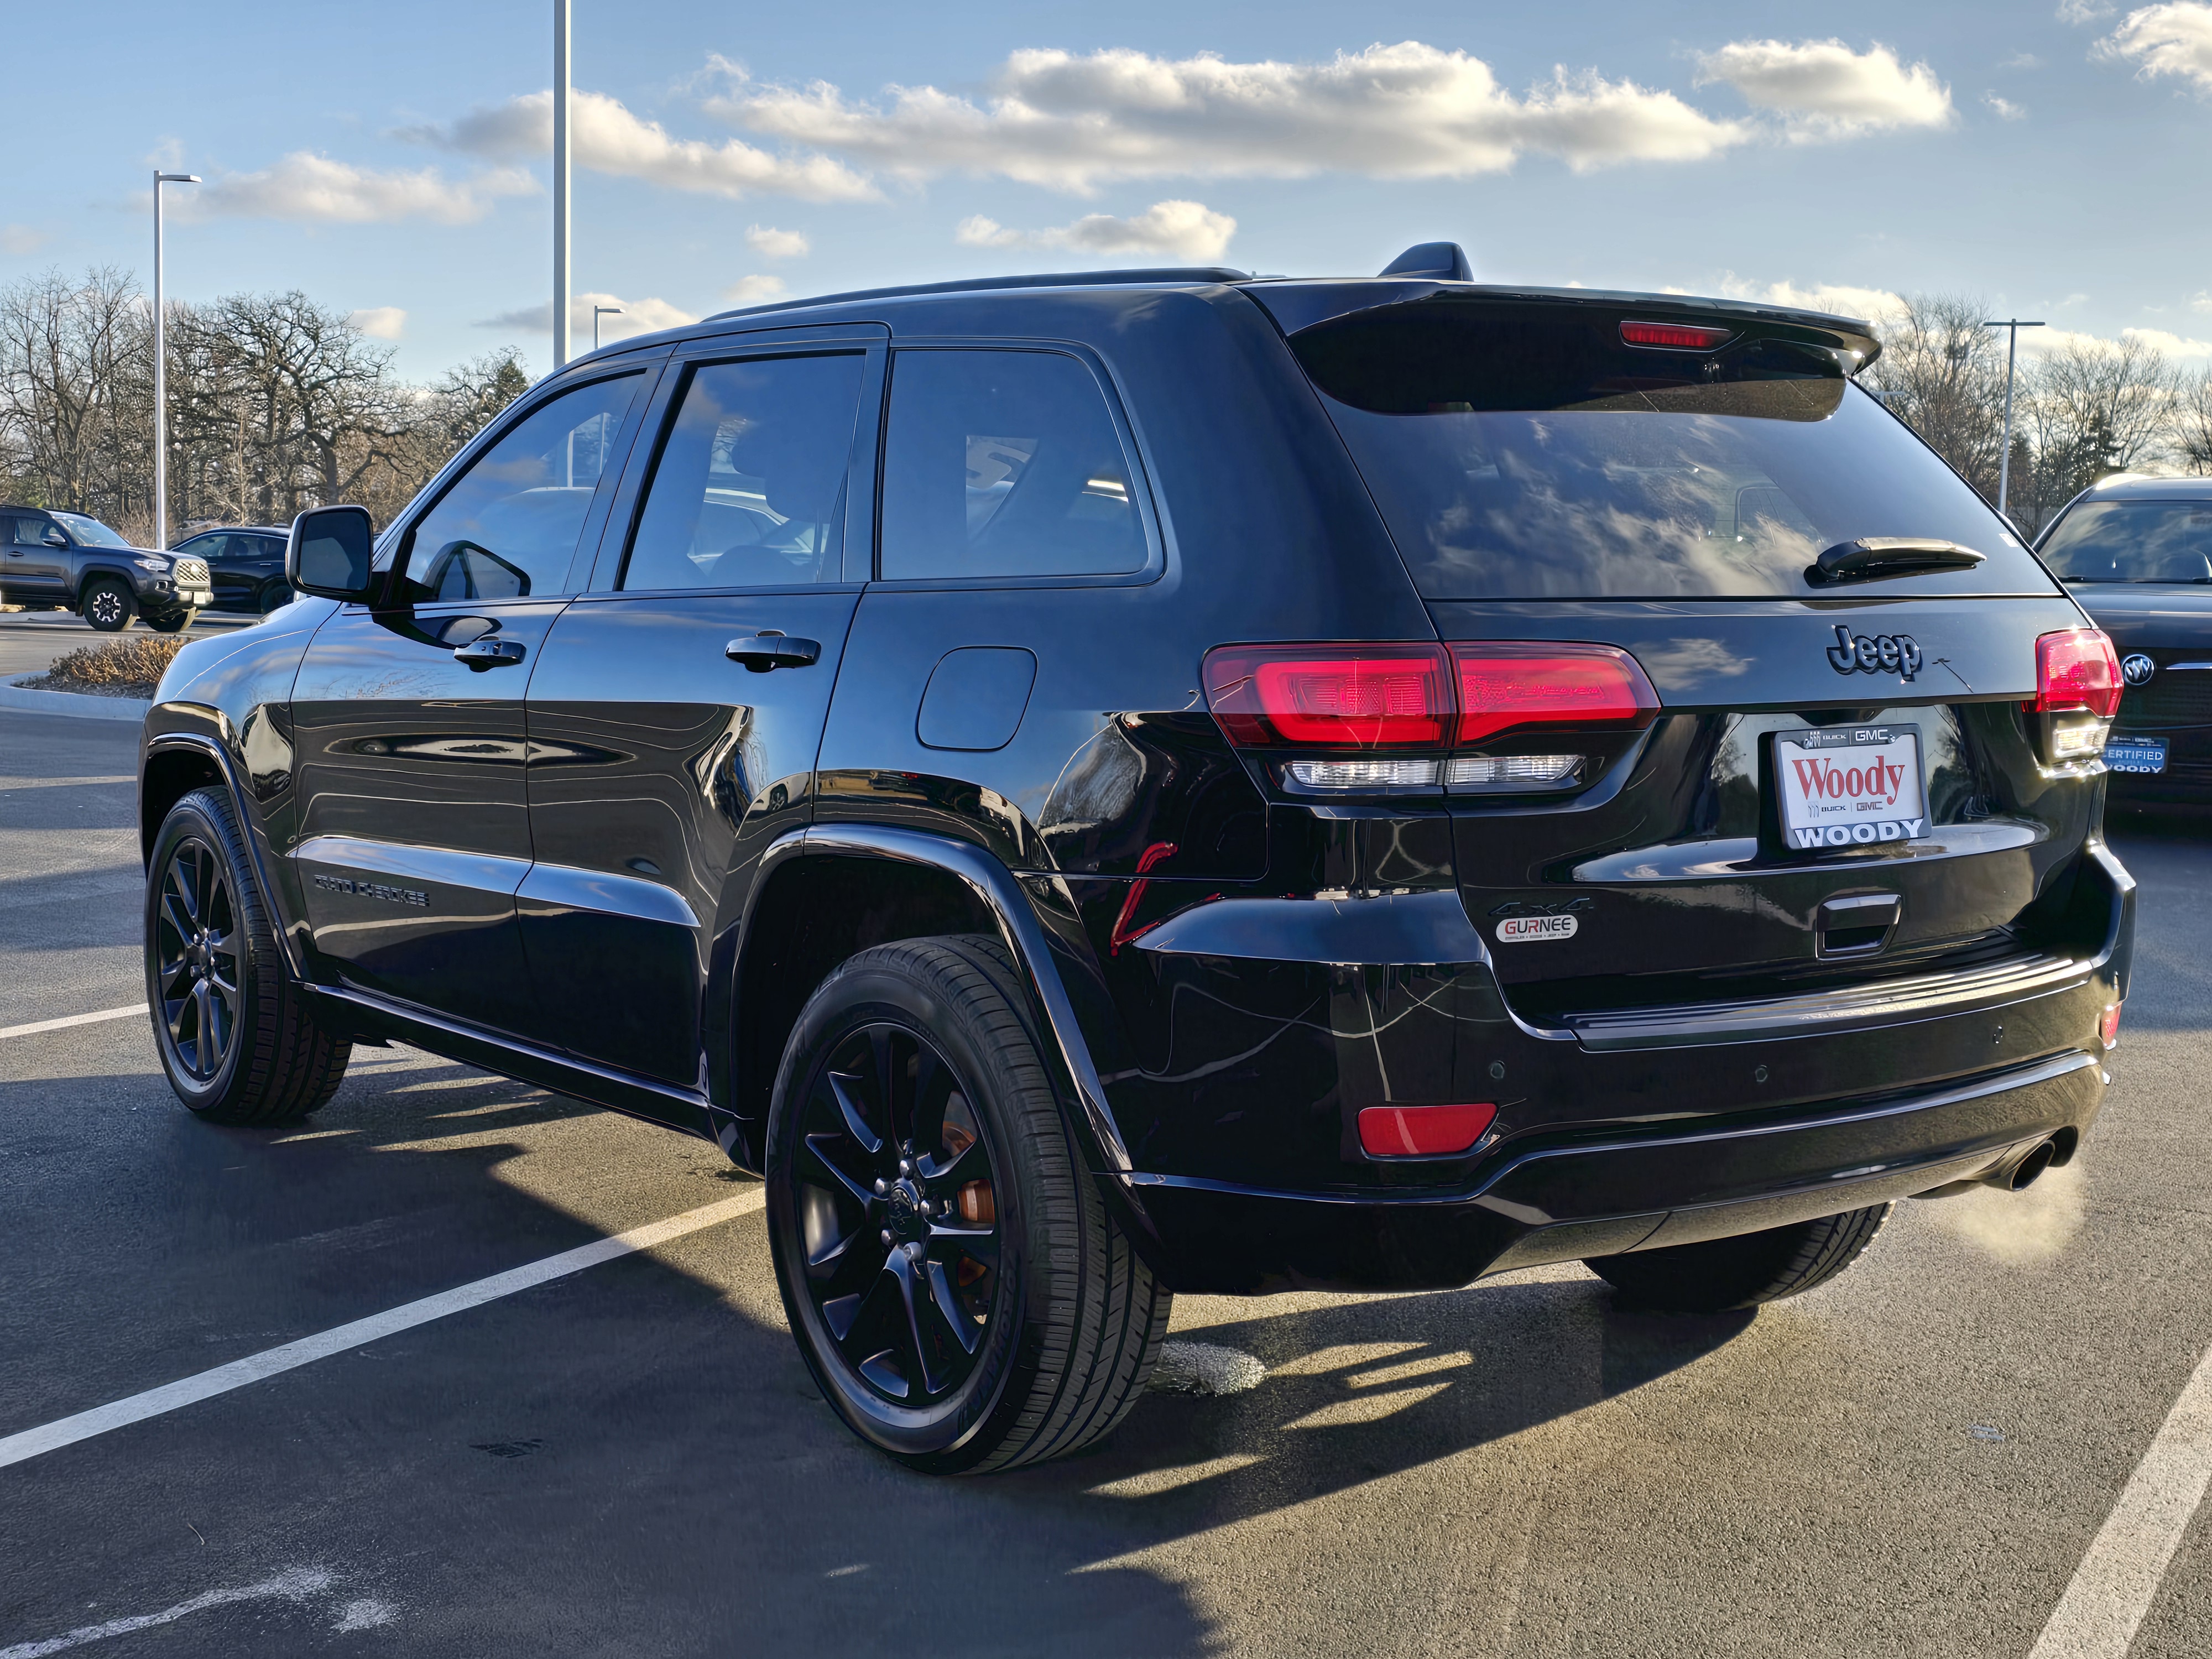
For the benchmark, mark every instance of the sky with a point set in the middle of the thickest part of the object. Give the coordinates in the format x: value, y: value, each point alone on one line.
x: 394, y: 162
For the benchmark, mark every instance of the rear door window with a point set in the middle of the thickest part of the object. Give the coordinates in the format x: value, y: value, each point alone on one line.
x: 1525, y: 451
x: 749, y: 490
x: 1005, y: 464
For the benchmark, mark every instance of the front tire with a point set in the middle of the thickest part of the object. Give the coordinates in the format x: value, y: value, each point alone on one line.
x: 955, y: 1283
x: 107, y: 606
x: 1722, y: 1274
x: 235, y: 1034
x: 175, y: 622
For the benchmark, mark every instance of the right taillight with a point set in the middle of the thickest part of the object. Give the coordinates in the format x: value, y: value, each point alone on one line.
x: 2077, y: 692
x: 1505, y: 717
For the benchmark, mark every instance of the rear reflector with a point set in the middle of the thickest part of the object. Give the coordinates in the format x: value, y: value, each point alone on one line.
x: 2108, y: 1026
x: 2077, y: 669
x: 1423, y: 1131
x: 1361, y: 697
x: 1509, y: 684
x: 1676, y: 337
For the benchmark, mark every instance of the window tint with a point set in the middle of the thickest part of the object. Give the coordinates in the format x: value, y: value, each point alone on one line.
x: 28, y: 532
x: 749, y: 488
x: 508, y: 528
x: 1526, y: 452
x: 1004, y: 464
x: 213, y: 549
x: 2133, y: 542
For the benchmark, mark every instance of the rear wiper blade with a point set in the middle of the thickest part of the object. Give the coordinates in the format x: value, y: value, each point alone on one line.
x: 1873, y: 558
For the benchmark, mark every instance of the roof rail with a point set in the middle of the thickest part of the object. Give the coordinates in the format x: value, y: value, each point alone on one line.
x: 976, y: 284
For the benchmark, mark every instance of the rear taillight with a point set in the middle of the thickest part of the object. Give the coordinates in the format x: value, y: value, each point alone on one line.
x: 1675, y: 336
x: 2077, y: 692
x: 1502, y: 687
x: 1366, y: 696
x: 2077, y: 669
x: 1506, y: 717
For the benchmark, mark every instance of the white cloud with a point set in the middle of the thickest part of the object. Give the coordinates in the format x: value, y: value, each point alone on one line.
x: 605, y: 137
x: 2175, y: 39
x: 1839, y: 299
x: 1074, y: 122
x: 2004, y: 108
x: 638, y: 317
x: 2083, y: 11
x: 2173, y: 345
x: 773, y: 243
x: 1189, y: 230
x: 2201, y: 300
x: 23, y: 238
x: 1822, y: 90
x: 380, y: 322
x: 310, y: 188
x: 757, y: 290
x: 2020, y: 60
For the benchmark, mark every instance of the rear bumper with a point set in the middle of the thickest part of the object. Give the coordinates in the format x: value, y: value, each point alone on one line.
x: 1605, y: 1197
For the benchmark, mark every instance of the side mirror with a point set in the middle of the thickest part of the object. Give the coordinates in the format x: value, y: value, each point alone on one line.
x: 53, y: 538
x: 329, y: 551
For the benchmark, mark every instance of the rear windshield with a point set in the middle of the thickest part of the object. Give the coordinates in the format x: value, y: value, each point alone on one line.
x: 2133, y: 542
x: 1525, y: 451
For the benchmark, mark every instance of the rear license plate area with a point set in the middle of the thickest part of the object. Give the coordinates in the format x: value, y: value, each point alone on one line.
x: 2134, y: 754
x: 1850, y: 786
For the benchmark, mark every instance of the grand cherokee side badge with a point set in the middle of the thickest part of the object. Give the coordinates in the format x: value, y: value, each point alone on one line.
x: 1880, y: 654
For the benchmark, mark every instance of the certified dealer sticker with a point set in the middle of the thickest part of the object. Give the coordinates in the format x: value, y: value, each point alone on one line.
x: 1519, y: 930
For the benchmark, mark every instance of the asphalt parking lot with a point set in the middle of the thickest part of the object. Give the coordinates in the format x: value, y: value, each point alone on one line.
x: 630, y: 1459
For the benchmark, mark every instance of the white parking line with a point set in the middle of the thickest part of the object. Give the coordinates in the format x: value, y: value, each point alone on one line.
x: 33, y: 1443
x: 67, y: 1020
x: 294, y: 1584
x: 2118, y: 1580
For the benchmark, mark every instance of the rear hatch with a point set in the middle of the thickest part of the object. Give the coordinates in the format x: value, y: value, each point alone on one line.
x: 1846, y: 775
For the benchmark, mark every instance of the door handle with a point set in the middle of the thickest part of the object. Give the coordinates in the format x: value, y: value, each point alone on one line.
x: 761, y: 651
x: 487, y: 653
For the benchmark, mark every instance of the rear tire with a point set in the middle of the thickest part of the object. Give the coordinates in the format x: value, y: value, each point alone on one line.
x: 1725, y: 1273
x: 236, y: 1033
x: 948, y: 1363
x: 107, y: 606
x: 176, y: 622
x: 274, y: 597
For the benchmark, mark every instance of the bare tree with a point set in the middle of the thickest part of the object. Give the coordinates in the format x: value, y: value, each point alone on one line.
x: 77, y: 393
x: 2191, y: 432
x: 1944, y: 373
x: 2091, y: 408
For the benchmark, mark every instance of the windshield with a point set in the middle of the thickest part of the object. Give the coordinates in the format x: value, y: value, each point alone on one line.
x: 89, y: 532
x: 1522, y: 451
x: 2133, y: 542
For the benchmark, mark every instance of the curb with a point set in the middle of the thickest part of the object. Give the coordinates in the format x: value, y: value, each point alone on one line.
x: 75, y: 703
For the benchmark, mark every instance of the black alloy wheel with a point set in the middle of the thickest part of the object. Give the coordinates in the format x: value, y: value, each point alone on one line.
x: 959, y: 1288
x: 195, y: 950
x: 175, y: 622
x: 107, y: 608
x: 273, y: 597
x: 896, y: 1207
x: 240, y: 1039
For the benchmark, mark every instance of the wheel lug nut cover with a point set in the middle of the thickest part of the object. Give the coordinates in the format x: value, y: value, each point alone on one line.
x: 887, y: 1234
x: 882, y: 1186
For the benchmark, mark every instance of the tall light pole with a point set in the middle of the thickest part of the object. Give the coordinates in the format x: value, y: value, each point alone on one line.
x: 2012, y: 325
x: 598, y: 312
x: 162, y: 368
x: 560, y: 182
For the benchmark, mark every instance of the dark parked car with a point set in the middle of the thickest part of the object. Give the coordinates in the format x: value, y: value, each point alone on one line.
x: 1097, y: 785
x: 67, y: 559
x: 2137, y: 553
x: 247, y: 564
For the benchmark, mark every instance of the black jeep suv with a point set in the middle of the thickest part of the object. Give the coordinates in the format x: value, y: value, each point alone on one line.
x: 1096, y: 786
x: 70, y: 561
x: 245, y: 565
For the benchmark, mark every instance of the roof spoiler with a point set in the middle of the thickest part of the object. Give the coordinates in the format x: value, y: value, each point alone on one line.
x: 1446, y: 261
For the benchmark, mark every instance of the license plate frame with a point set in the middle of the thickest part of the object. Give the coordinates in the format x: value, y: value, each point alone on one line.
x: 2132, y: 750
x: 1870, y: 781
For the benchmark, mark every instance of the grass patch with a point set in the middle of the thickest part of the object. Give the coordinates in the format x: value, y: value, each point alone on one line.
x: 129, y: 668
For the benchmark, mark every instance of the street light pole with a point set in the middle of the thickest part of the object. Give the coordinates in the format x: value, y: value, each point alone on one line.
x: 162, y: 368
x: 2012, y: 325
x: 598, y: 312
x: 560, y: 182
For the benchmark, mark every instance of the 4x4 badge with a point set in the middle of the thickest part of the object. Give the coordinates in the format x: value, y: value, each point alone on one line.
x: 1881, y: 653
